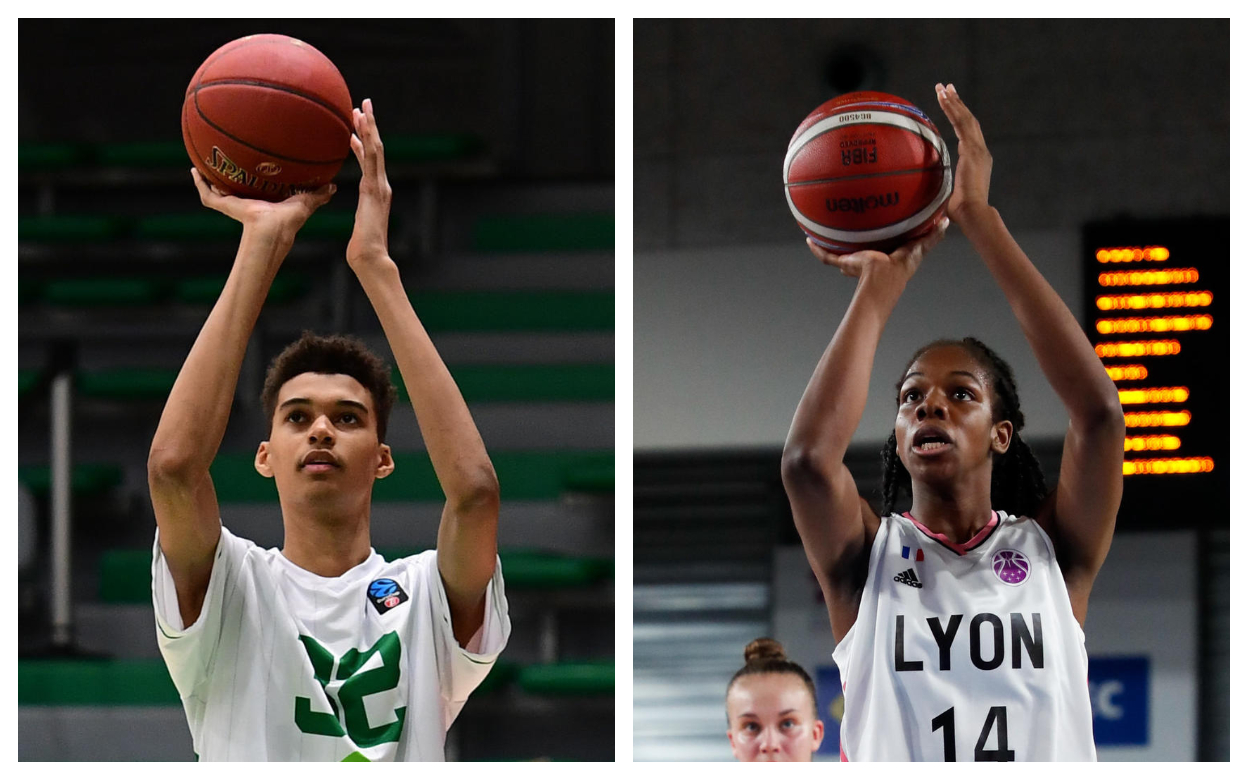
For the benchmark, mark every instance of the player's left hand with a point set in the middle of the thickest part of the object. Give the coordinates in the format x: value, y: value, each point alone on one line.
x: 369, y: 242
x: 970, y: 183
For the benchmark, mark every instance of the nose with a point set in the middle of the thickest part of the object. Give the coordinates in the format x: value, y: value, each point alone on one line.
x: 321, y: 431
x: 770, y: 742
x: 933, y: 405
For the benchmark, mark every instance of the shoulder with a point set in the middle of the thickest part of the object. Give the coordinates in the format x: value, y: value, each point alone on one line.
x: 420, y: 564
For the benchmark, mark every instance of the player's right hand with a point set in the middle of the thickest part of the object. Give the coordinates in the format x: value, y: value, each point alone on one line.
x: 899, y: 265
x: 283, y: 218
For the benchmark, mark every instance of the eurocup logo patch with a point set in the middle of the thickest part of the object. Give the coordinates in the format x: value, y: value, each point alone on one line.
x: 1011, y: 566
x: 385, y: 594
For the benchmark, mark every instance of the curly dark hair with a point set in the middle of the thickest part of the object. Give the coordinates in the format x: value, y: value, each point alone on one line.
x: 332, y: 355
x: 766, y: 656
x: 1017, y: 481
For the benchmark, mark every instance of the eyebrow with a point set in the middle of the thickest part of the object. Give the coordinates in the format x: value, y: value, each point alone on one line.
x: 920, y: 373
x: 340, y: 402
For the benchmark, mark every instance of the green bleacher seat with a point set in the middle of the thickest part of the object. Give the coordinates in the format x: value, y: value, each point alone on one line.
x: 146, y: 682
x: 143, y: 154
x: 336, y: 225
x: 545, y: 232
x: 50, y: 156
x: 502, y: 675
x: 125, y: 384
x: 192, y: 226
x: 593, y: 475
x: 76, y: 228
x: 569, y: 678
x: 85, y: 479
x: 27, y: 380
x: 125, y: 574
x: 28, y: 290
x: 211, y: 226
x: 498, y: 310
x: 103, y: 292
x: 494, y: 383
x: 432, y: 148
x: 522, y: 474
x: 114, y: 682
x: 287, y: 287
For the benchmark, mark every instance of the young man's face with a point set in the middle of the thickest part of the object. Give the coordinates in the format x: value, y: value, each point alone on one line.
x: 323, y: 442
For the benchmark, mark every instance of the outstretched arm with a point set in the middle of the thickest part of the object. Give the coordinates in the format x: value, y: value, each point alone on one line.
x: 194, y: 419
x: 837, y: 525
x: 468, y: 534
x: 1080, y: 514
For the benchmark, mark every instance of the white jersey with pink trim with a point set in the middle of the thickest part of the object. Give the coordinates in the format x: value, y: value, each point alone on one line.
x: 964, y: 652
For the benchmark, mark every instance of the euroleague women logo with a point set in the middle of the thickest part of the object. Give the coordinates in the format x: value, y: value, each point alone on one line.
x: 385, y: 594
x: 1011, y: 566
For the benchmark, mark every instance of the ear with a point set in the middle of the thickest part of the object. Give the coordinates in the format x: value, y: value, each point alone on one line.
x: 1002, y: 433
x: 817, y: 735
x: 262, y: 460
x: 385, y: 465
x: 732, y: 744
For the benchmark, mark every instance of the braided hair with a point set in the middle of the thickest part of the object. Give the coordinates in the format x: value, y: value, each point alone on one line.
x: 766, y: 656
x: 1017, y: 481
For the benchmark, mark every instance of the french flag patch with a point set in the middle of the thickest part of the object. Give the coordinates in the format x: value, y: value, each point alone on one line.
x: 918, y: 553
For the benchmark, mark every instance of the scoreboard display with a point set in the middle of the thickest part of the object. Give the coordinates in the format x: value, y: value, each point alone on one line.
x: 1155, y: 309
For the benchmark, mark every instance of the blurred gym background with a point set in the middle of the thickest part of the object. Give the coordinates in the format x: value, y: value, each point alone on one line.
x: 499, y: 143
x: 1105, y: 134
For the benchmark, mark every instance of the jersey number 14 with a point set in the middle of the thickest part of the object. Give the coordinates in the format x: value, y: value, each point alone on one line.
x: 996, y: 715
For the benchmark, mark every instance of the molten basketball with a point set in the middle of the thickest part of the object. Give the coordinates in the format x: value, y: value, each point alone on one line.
x: 267, y: 116
x: 867, y: 170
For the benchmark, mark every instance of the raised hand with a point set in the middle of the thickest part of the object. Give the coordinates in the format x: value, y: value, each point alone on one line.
x: 900, y: 264
x: 970, y: 182
x: 372, y: 216
x: 282, y: 219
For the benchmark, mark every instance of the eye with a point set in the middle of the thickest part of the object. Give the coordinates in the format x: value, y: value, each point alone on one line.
x: 349, y: 418
x: 295, y: 417
x: 963, y: 394
x: 787, y: 723
x: 911, y: 395
x: 751, y: 727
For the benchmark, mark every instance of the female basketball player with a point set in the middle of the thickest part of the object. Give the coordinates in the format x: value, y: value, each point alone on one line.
x: 772, y: 714
x: 959, y: 623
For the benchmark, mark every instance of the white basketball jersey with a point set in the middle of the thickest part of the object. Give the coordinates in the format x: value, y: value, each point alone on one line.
x: 966, y: 652
x: 286, y: 665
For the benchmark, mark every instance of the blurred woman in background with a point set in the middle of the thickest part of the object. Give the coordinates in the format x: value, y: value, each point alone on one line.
x: 772, y: 714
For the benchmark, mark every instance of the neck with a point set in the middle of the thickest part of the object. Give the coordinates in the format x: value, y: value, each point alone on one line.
x: 958, y: 511
x: 326, y: 545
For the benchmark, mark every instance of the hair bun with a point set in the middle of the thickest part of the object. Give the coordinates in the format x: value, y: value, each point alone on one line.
x: 764, y: 649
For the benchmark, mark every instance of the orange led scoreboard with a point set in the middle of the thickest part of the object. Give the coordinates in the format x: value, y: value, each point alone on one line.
x: 1155, y: 309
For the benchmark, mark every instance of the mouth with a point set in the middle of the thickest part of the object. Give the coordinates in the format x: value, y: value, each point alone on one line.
x: 319, y: 462
x: 930, y: 440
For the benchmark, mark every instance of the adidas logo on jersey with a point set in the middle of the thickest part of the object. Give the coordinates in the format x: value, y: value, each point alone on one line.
x: 908, y: 577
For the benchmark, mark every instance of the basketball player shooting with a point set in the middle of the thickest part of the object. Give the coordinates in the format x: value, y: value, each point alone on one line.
x: 959, y: 623
x: 322, y: 650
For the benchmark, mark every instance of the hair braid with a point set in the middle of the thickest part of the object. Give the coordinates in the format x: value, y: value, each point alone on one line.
x: 892, y: 465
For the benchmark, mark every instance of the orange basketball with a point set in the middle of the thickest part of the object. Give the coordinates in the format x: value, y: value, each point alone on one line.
x: 267, y: 116
x: 867, y: 170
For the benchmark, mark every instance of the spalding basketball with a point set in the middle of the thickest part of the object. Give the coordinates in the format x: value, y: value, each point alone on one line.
x: 867, y: 170
x: 267, y: 116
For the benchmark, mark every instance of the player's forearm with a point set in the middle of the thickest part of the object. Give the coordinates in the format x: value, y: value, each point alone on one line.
x: 195, y: 416
x: 832, y: 405
x: 1061, y: 348
x: 455, y: 447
